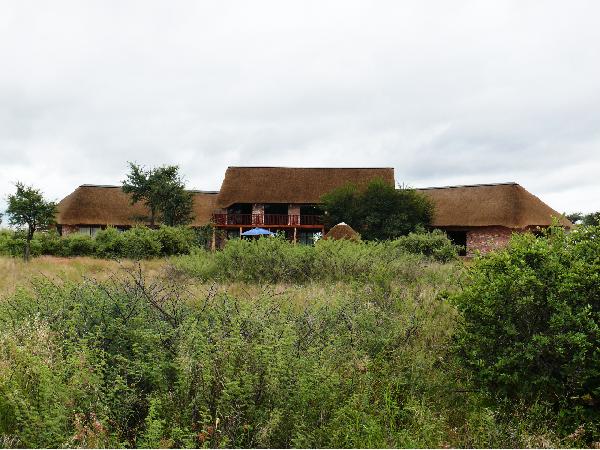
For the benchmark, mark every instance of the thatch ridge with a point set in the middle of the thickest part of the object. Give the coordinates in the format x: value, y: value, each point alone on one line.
x: 109, y: 205
x: 497, y: 204
x: 342, y: 231
x: 292, y: 184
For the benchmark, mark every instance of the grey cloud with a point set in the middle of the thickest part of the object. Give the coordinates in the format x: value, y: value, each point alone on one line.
x: 446, y: 92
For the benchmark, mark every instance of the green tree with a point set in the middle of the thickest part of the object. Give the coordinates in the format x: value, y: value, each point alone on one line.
x: 591, y: 219
x: 574, y: 217
x: 28, y: 208
x: 163, y: 192
x: 380, y: 211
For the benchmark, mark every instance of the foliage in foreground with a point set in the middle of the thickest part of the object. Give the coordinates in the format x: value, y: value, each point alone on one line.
x: 364, y: 361
x: 131, y: 362
x: 531, y: 326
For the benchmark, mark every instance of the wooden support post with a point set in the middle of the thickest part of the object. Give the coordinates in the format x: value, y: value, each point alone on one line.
x: 240, y: 232
x: 213, y: 244
x: 294, y: 235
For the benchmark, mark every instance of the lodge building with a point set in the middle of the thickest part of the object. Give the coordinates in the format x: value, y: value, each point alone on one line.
x: 479, y: 217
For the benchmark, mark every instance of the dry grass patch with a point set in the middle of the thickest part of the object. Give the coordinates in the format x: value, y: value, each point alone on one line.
x: 15, y: 272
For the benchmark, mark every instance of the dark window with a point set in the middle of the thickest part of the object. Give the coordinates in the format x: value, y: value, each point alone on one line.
x: 240, y: 208
x: 276, y: 214
x: 311, y: 210
x: 276, y: 208
x: 239, y: 214
x: 233, y: 234
x: 459, y: 238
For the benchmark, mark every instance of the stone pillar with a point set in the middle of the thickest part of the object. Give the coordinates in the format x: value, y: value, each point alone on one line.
x: 258, y: 214
x: 293, y: 214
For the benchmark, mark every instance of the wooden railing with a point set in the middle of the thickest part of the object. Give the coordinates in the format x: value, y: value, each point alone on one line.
x: 266, y: 219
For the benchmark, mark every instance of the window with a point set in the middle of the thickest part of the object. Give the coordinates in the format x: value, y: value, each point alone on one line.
x: 88, y: 231
x: 239, y: 214
x: 459, y: 238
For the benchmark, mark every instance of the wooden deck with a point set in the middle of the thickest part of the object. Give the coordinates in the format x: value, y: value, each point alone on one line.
x: 267, y: 220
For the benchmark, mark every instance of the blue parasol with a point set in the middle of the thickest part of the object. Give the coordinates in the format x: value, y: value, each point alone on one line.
x: 257, y: 232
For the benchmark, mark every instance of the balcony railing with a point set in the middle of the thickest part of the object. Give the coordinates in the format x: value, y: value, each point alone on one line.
x: 266, y: 219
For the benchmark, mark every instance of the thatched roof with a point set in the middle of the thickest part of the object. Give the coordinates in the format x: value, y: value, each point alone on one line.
x: 109, y: 205
x: 342, y: 231
x: 505, y: 204
x: 291, y: 184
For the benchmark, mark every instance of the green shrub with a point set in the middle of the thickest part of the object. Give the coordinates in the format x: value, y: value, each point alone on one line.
x: 434, y: 244
x: 6, y: 237
x: 77, y: 245
x: 176, y: 240
x: 109, y: 243
x: 204, y: 236
x: 50, y: 242
x: 33, y: 403
x: 12, y: 243
x: 531, y: 324
x: 140, y: 243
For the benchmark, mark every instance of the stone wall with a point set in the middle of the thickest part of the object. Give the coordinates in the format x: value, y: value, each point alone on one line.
x: 486, y: 239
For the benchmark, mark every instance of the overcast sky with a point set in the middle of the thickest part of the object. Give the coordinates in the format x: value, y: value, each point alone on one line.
x: 446, y: 92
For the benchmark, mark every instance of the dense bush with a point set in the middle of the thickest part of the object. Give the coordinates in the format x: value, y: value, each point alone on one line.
x: 140, y: 243
x: 132, y: 362
x: 135, y: 243
x: 531, y: 325
x: 77, y: 245
x: 176, y: 240
x: 275, y: 259
x: 13, y: 244
x: 434, y: 244
x: 372, y: 357
x: 50, y: 242
x: 109, y: 243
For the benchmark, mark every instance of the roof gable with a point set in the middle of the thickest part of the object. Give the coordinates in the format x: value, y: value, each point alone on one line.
x: 291, y: 184
x: 109, y: 205
x: 504, y: 204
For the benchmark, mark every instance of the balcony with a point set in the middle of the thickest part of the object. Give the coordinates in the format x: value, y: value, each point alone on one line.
x: 268, y: 220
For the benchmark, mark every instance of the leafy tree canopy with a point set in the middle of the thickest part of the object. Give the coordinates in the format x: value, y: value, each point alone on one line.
x: 378, y: 212
x: 28, y: 209
x: 591, y: 219
x: 163, y: 192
